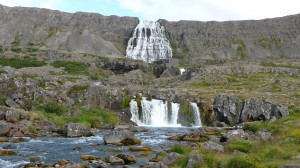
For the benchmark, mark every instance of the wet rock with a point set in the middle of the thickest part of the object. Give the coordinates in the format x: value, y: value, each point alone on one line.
x: 115, y: 160
x: 7, y: 153
x: 19, y: 139
x: 265, y: 136
x: 99, y: 164
x: 10, y: 146
x: 139, y: 149
x: 66, y: 164
x: 123, y: 137
x: 3, y: 139
x: 138, y: 129
x: 128, y: 159
x: 212, y: 146
x: 154, y: 165
x: 77, y: 148
x: 195, y: 160
x: 34, y: 159
x: 171, y: 158
x: 122, y: 127
x: 89, y: 157
x: 77, y: 130
x: 12, y: 116
x: 4, y: 128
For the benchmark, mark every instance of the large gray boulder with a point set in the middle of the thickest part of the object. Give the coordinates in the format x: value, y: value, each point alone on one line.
x: 235, y: 134
x: 12, y: 116
x: 171, y: 158
x: 4, y: 128
x: 225, y: 109
x: 195, y: 160
x: 77, y: 130
x: 121, y: 137
x: 212, y: 146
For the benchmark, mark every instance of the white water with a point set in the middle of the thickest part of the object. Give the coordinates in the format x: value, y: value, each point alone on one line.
x: 149, y: 43
x: 197, y: 121
x: 182, y: 70
x: 154, y: 113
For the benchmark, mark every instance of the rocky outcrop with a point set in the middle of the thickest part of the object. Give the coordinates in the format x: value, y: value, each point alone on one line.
x: 231, y: 111
x: 54, y: 30
x: 77, y: 130
x: 235, y: 39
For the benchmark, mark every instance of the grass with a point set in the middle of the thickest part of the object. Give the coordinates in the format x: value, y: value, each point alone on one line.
x: 77, y: 89
x: 181, y: 149
x: 87, y: 117
x: 21, y: 63
x: 53, y: 108
x: 239, y: 145
x: 72, y: 67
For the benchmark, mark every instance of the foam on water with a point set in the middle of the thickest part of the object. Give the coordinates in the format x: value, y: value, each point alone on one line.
x: 8, y: 164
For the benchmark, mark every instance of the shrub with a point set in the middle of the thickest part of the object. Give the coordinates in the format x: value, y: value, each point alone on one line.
x: 21, y: 63
x: 32, y: 129
x: 274, y: 153
x: 125, y: 102
x: 74, y: 68
x: 180, y: 149
x: 240, y: 145
x: 54, y: 108
x: 240, y: 162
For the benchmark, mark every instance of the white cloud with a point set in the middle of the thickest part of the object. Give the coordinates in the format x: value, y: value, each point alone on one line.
x: 50, y: 4
x: 205, y: 10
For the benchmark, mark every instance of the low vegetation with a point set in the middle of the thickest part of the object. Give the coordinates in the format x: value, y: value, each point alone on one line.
x: 21, y: 63
x: 72, y: 67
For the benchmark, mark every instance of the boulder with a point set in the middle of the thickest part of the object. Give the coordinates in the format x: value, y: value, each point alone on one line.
x: 171, y: 158
x: 3, y: 139
x: 122, y: 137
x: 235, y: 134
x: 11, y: 103
x: 265, y: 136
x: 212, y: 146
x: 128, y: 159
x: 2, y: 114
x: 122, y: 127
x: 225, y: 109
x: 7, y: 153
x: 77, y: 130
x: 139, y: 149
x: 12, y: 116
x: 154, y: 165
x: 4, y: 128
x: 194, y: 160
x: 115, y: 160
x: 89, y: 157
x: 138, y: 129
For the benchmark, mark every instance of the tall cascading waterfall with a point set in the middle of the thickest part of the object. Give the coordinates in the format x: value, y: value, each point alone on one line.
x: 154, y: 113
x: 196, y: 113
x: 149, y: 43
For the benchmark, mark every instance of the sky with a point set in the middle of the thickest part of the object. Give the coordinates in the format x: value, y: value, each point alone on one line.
x: 172, y: 10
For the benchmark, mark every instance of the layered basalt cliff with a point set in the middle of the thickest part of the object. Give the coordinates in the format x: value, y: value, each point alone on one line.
x: 96, y: 34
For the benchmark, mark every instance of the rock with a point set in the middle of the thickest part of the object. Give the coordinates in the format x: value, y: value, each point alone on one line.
x: 19, y: 139
x: 115, y: 160
x: 47, y: 126
x: 66, y: 164
x: 34, y: 159
x: 12, y: 116
x: 122, y: 127
x: 101, y: 125
x: 99, y: 164
x: 89, y: 157
x: 3, y: 139
x: 123, y: 137
x: 9, y: 146
x: 212, y: 146
x: 235, y: 134
x: 7, y: 153
x: 128, y: 159
x: 77, y: 148
x: 236, y: 152
x: 138, y: 129
x: 154, y: 165
x: 10, y: 103
x: 139, y: 149
x: 290, y: 166
x: 4, y: 128
x: 171, y: 158
x: 195, y: 160
x: 2, y: 114
x: 225, y: 109
x: 77, y: 130
x: 265, y: 136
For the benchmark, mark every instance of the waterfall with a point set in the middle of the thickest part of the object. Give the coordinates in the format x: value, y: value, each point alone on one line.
x: 196, y: 113
x: 182, y: 70
x: 149, y: 43
x: 154, y: 113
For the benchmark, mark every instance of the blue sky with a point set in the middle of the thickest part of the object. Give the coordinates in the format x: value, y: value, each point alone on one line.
x: 173, y: 10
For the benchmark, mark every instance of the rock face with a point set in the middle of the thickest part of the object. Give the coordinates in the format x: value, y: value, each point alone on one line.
x: 231, y: 111
x: 79, y: 32
x: 123, y: 137
x: 77, y: 130
x: 235, y: 39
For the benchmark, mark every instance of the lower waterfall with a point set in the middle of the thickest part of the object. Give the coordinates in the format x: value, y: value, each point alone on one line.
x: 196, y: 112
x: 159, y: 113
